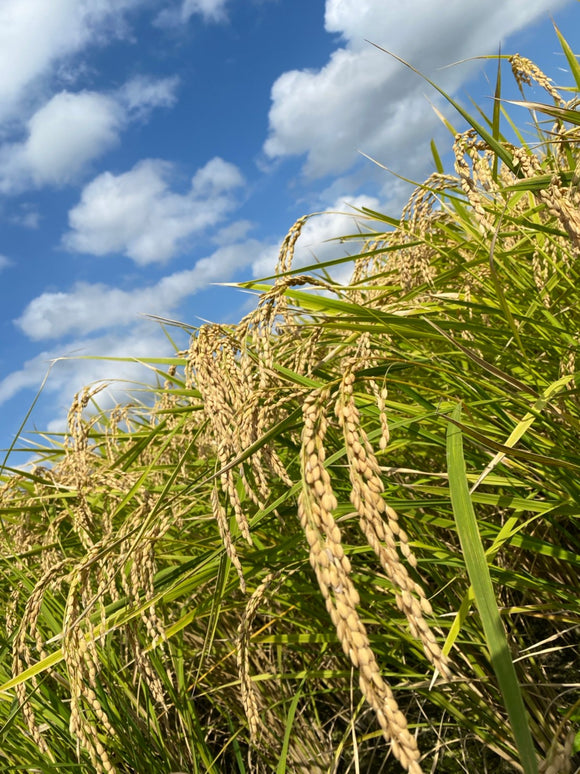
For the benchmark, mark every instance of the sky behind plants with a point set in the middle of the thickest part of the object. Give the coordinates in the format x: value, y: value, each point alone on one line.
x: 152, y: 148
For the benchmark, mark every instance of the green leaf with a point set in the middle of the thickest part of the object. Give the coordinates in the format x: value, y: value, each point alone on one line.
x: 479, y: 575
x: 562, y: 114
x: 281, y: 767
x: 570, y: 56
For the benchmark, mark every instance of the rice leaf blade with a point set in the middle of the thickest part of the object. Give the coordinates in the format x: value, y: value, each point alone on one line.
x: 479, y: 575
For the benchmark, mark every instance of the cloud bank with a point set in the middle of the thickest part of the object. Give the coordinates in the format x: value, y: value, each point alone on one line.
x: 91, y: 307
x: 362, y: 99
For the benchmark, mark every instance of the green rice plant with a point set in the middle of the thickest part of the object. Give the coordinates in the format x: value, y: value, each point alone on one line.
x: 340, y: 535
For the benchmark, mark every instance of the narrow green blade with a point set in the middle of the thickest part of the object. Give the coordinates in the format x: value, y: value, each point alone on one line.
x: 479, y: 575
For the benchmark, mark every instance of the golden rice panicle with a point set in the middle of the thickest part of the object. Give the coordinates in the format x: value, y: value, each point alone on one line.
x: 526, y: 72
x: 422, y: 206
x: 562, y: 202
x: 232, y: 368
x: 256, y: 328
x: 380, y: 526
x: 22, y: 657
x: 363, y: 359
x: 365, y: 267
x: 248, y: 693
x: 381, y: 395
x: 227, y: 392
x: 414, y: 263
x: 540, y: 272
x: 272, y: 321
x: 568, y: 366
x: 308, y: 747
x: 87, y: 714
x: 76, y: 467
x: 224, y: 528
x: 286, y: 254
x: 464, y: 145
x: 213, y: 370
x: 138, y: 586
x: 316, y: 504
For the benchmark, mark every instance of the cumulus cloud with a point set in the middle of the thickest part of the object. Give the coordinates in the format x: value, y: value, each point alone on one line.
x: 72, y: 129
x: 364, y: 100
x: 91, y: 307
x: 35, y: 35
x: 137, y: 214
x: 236, y: 231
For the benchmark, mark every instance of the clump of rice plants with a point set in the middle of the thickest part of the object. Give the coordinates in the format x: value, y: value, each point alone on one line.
x: 344, y: 538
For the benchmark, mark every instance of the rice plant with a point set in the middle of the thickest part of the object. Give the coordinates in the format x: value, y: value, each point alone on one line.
x: 340, y: 535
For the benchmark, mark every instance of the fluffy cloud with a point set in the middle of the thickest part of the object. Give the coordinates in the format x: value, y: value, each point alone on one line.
x: 65, y: 134
x: 91, y: 307
x: 4, y: 262
x: 35, y: 35
x: 214, y: 177
x: 72, y: 129
x: 137, y: 214
x: 364, y: 100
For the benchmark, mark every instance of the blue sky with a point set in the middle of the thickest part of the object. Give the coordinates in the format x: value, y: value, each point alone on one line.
x: 152, y: 148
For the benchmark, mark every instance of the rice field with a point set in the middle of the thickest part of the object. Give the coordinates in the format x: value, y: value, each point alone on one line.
x: 342, y: 534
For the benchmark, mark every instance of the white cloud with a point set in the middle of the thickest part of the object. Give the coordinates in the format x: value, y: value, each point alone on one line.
x: 72, y: 129
x: 4, y: 262
x: 362, y: 99
x: 236, y: 231
x: 214, y: 177
x: 35, y: 35
x: 209, y: 10
x: 63, y: 136
x: 91, y: 307
x: 143, y: 93
x: 70, y: 374
x: 137, y: 214
x: 88, y: 308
